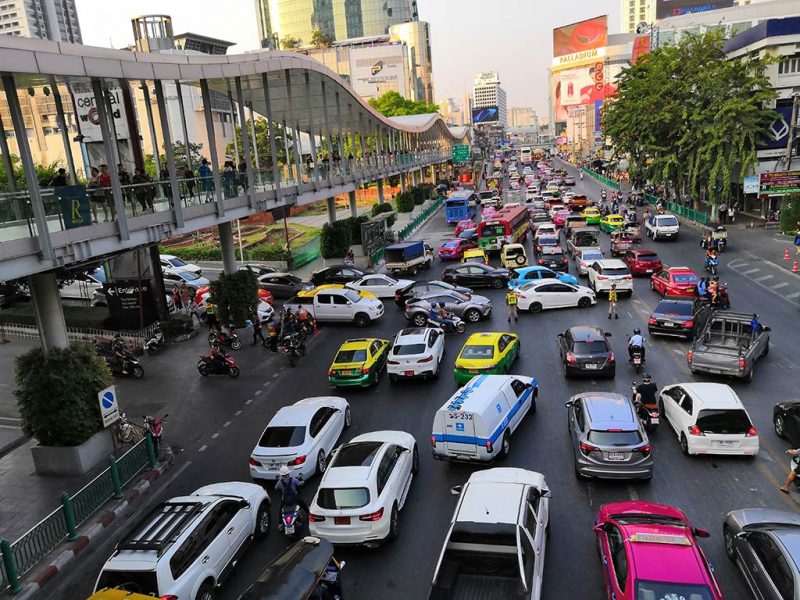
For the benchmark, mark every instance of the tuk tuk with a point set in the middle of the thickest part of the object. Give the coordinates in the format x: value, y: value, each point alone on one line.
x: 513, y: 255
x: 632, y: 229
x: 621, y: 242
x: 307, y: 569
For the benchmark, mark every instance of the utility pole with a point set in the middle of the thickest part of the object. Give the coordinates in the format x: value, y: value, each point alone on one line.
x: 790, y: 135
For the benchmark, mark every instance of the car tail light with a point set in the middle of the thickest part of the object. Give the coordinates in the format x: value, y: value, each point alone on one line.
x: 288, y: 518
x: 397, y: 297
x: 392, y: 362
x: 689, y: 356
x: 645, y: 450
x: 433, y: 441
x: 651, y: 321
x: 168, y: 597
x: 425, y: 360
x: 695, y: 430
x: 600, y: 277
x: 365, y: 370
x: 570, y: 358
x: 689, y: 323
x: 315, y: 518
x: 253, y: 462
x: 752, y: 432
x: 375, y: 516
x: 330, y: 372
x: 742, y: 364
x: 297, y: 461
x: 489, y: 447
x: 610, y: 357
x: 587, y: 448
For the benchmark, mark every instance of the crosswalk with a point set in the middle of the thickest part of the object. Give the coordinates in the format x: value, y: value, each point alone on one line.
x: 779, y: 281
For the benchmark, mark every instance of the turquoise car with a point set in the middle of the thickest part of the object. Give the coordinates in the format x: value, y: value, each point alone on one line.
x: 525, y: 275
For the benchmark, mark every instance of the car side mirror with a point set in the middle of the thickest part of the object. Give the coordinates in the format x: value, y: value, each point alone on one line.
x: 608, y: 334
x: 742, y: 535
x: 456, y: 490
x: 767, y: 329
x: 561, y: 335
x: 701, y: 533
x: 599, y: 528
x: 244, y: 504
x: 547, y: 494
x: 569, y: 403
x: 349, y: 303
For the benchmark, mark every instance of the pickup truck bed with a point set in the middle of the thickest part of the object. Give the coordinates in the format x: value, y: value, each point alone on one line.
x: 478, y: 577
x: 478, y: 587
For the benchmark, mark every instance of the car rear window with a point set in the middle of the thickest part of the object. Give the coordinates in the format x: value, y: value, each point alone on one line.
x: 342, y: 498
x: 138, y: 582
x: 408, y: 349
x: 647, y: 257
x: 548, y: 241
x: 282, y: 437
x: 360, y: 454
x: 589, y: 347
x: 673, y: 307
x: 615, y: 438
x: 349, y: 356
x: 615, y: 271
x: 685, y: 278
x: 477, y: 352
x: 592, y: 256
x: 724, y: 421
x: 647, y: 590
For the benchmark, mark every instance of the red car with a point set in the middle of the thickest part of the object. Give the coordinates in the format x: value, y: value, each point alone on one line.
x: 642, y: 261
x: 464, y: 224
x: 561, y: 216
x: 675, y: 281
x: 650, y: 550
x: 454, y: 249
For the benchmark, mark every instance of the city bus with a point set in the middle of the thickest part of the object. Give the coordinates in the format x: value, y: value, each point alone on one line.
x: 461, y: 204
x: 509, y: 225
x: 525, y: 156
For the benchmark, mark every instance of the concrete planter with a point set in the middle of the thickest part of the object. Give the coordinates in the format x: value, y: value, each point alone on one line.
x: 73, y: 460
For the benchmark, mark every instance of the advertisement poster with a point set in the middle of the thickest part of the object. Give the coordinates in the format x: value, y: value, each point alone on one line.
x: 779, y: 183
x: 751, y: 184
x: 375, y: 70
x: 673, y: 8
x: 583, y: 85
x: 559, y: 110
x: 641, y: 46
x: 89, y: 118
x: 487, y: 114
x: 581, y: 36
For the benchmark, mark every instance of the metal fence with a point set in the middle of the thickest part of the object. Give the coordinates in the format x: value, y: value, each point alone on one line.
x: 22, y: 331
x: 684, y: 211
x: 302, y: 255
x: 61, y: 524
x: 604, y: 180
x: 420, y: 219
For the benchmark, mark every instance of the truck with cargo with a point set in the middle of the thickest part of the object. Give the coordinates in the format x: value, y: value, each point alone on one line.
x: 729, y: 345
x: 408, y: 257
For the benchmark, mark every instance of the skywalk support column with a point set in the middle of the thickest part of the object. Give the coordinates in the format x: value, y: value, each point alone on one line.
x: 226, y: 245
x: 331, y: 205
x: 47, y: 311
x: 248, y: 155
x: 169, y: 154
x: 212, y: 147
x: 353, y: 203
x: 380, y: 191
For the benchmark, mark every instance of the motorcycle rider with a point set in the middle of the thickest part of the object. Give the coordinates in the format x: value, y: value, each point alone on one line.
x: 636, y: 341
x: 645, y: 392
x: 218, y: 356
x: 120, y: 353
x: 289, y: 487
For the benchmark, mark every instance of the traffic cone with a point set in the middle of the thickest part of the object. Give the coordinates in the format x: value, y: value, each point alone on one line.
x: 786, y: 255
x: 794, y: 267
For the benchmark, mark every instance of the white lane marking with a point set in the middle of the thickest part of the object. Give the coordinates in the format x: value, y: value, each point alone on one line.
x: 237, y: 413
x: 227, y: 423
x: 257, y: 392
x: 275, y: 375
x: 215, y: 436
x: 764, y: 278
x: 778, y: 286
x: 749, y: 271
x: 637, y: 301
x: 739, y: 264
x: 589, y: 493
x: 794, y: 296
x: 676, y: 351
x: 266, y: 383
x: 249, y: 401
x: 202, y: 448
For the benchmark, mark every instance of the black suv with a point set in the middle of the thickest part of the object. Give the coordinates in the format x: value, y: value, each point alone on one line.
x: 679, y: 316
x: 585, y: 351
x: 337, y: 274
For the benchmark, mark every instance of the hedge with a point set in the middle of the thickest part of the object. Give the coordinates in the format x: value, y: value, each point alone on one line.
x: 336, y: 239
x: 204, y: 252
x: 405, y: 202
x: 790, y: 213
x: 235, y: 295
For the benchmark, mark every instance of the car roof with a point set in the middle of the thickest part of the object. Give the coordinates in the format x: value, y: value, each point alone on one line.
x: 413, y: 335
x: 531, y: 269
x: 713, y: 395
x: 643, y: 251
x: 508, y: 475
x: 484, y: 337
x: 790, y: 538
x: 612, y: 263
x: 582, y: 333
x: 167, y: 256
x: 680, y: 270
x: 293, y: 415
x: 664, y: 553
x: 358, y: 343
x: 491, y: 502
x: 608, y: 410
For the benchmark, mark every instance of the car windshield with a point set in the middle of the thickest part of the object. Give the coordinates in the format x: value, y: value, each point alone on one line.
x: 452, y: 244
x: 615, y: 438
x: 589, y: 347
x: 685, y: 278
x: 647, y: 590
x: 548, y: 241
x: 667, y: 221
x: 477, y: 352
x: 615, y: 271
x: 188, y: 276
x: 494, y: 230
x: 630, y: 518
x: 358, y: 454
x: 352, y: 296
x: 342, y: 498
x: 282, y: 437
x: 351, y: 356
x: 138, y: 582
x: 408, y: 349
x: 724, y: 421
x: 176, y: 262
x: 674, y: 307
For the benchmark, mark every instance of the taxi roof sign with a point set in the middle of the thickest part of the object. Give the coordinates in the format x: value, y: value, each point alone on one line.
x: 661, y: 538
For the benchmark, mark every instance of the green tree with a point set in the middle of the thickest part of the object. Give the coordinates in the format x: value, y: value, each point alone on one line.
x: 179, y: 152
x: 235, y: 296
x: 262, y: 143
x: 320, y: 39
x: 687, y: 116
x: 392, y: 104
x: 290, y: 43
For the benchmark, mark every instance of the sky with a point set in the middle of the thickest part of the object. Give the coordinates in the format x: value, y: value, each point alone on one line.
x: 512, y: 37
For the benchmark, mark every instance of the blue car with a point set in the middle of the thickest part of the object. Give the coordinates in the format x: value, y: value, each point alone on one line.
x: 525, y: 275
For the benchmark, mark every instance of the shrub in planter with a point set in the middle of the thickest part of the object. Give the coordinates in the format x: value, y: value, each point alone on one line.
x: 177, y: 324
x: 57, y: 393
x: 197, y: 252
x: 234, y: 296
x: 336, y: 239
x: 275, y: 252
x: 405, y: 202
x: 355, y: 228
x: 385, y: 207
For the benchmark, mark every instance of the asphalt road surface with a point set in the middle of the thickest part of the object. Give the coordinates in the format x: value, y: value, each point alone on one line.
x: 214, y: 422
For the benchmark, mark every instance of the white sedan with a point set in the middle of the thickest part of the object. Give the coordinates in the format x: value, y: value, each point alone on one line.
x: 549, y: 293
x: 416, y: 352
x: 381, y: 285
x: 168, y: 261
x: 300, y: 436
x: 364, y: 489
x: 545, y: 229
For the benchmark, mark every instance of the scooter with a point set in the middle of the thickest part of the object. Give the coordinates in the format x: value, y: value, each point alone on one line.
x: 206, y: 366
x: 293, y: 521
x: 155, y: 343
x: 603, y: 195
x: 155, y: 425
x: 648, y: 413
x: 130, y: 366
x: 723, y: 301
x: 637, y: 360
x: 226, y: 338
x: 712, y: 265
x: 452, y: 324
x: 294, y: 347
x: 127, y: 432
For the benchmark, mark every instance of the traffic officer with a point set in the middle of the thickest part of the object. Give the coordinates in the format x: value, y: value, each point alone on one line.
x: 511, y: 302
x: 612, y: 301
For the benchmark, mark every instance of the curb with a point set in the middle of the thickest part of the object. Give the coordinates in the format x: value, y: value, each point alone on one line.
x: 92, y: 532
x: 13, y: 445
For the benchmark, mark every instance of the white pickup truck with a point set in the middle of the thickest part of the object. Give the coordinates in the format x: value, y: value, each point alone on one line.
x: 337, y: 303
x: 662, y: 227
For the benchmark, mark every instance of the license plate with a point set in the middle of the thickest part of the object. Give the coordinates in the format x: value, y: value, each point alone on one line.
x: 346, y: 372
x: 341, y: 520
x: 668, y: 324
x: 648, y: 270
x: 408, y: 373
x: 725, y: 443
x: 637, y: 361
x: 591, y: 366
x: 289, y: 530
x: 615, y: 456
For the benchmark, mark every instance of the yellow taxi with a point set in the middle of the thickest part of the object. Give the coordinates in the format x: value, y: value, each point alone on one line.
x: 358, y: 363
x: 611, y: 223
x: 488, y: 353
x: 115, y: 594
x: 592, y: 215
x: 475, y: 255
x: 331, y: 286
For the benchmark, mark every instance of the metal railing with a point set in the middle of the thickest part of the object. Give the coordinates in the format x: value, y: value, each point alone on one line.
x: 420, y: 219
x: 602, y: 179
x: 31, y: 332
x: 62, y: 524
x: 683, y: 211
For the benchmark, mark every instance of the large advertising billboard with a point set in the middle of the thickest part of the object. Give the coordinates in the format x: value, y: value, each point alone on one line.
x: 375, y: 70
x: 778, y: 183
x: 673, y: 8
x: 487, y: 114
x: 89, y: 118
x: 641, y: 46
x: 583, y: 85
x: 581, y: 36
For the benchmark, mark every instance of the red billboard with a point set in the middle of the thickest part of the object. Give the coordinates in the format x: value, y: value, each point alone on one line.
x: 581, y: 36
x: 778, y: 183
x: 641, y: 46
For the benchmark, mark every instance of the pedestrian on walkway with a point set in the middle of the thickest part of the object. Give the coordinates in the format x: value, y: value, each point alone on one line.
x: 142, y: 190
x: 98, y: 194
x: 242, y: 173
x: 723, y: 212
x: 794, y: 469
x: 797, y: 240
x: 511, y: 303
x: 272, y: 332
x: 257, y: 333
x: 612, y: 301
x: 189, y: 182
x: 176, y: 297
x: 206, y: 183
x: 732, y: 213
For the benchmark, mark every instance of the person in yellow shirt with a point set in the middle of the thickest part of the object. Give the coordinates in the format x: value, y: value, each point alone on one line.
x: 511, y: 302
x: 612, y: 301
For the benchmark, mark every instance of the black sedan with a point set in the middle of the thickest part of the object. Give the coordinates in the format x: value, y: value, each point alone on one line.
x: 679, y: 316
x: 469, y: 234
x: 337, y: 274
x: 553, y: 257
x: 283, y: 285
x: 585, y: 351
x: 477, y: 275
x: 786, y: 418
x: 422, y: 288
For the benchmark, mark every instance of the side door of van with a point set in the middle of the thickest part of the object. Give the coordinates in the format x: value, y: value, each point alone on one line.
x: 515, y: 391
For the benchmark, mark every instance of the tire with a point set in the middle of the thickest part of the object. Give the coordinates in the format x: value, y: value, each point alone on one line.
x: 263, y: 521
x: 578, y: 475
x: 394, y: 525
x: 473, y: 315
x: 535, y: 307
x: 419, y: 320
x: 520, y: 260
x: 151, y: 350
x: 460, y: 327
x: 392, y: 378
x: 766, y: 349
x: 780, y: 426
x: 236, y: 345
x: 497, y: 284
x: 138, y: 371
x: 505, y: 446
x: 728, y: 540
x: 206, y: 592
x: 661, y: 412
x: 203, y: 369
x: 233, y: 372
x: 584, y: 302
x: 361, y: 320
x: 348, y: 418
x: 749, y: 377
x: 415, y: 460
x: 322, y: 462
x: 652, y: 286
x: 684, y: 445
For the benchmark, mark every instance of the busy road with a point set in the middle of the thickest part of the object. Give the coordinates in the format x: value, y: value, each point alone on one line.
x: 214, y: 423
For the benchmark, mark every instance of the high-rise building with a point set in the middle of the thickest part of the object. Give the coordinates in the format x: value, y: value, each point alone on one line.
x: 55, y: 20
x: 633, y: 12
x: 416, y: 39
x: 340, y: 20
x: 487, y: 93
x: 522, y: 116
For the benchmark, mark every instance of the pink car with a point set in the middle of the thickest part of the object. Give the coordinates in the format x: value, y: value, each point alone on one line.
x: 488, y: 212
x: 650, y: 550
x: 560, y: 217
x: 464, y: 224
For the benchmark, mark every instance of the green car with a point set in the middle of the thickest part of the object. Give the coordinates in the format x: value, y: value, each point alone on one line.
x: 611, y: 223
x: 359, y: 363
x: 488, y: 353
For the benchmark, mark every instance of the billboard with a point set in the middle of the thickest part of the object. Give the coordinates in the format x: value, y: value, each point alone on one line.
x: 583, y: 85
x: 641, y: 46
x: 673, y: 8
x: 778, y: 183
x: 773, y: 144
x: 580, y: 37
x: 89, y: 118
x: 375, y: 70
x: 487, y: 114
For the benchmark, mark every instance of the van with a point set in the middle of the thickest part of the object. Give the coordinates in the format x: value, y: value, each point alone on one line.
x: 477, y: 422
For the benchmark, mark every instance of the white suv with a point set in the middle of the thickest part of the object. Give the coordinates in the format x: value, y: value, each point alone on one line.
x: 662, y: 227
x: 416, y: 352
x: 187, y: 545
x: 604, y: 273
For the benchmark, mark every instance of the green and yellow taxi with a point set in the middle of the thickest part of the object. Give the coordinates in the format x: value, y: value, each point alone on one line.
x: 358, y: 363
x: 331, y: 286
x: 488, y: 353
x: 475, y: 255
x: 592, y: 215
x: 611, y: 223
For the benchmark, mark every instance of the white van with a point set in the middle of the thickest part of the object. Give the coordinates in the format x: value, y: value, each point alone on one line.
x: 477, y: 423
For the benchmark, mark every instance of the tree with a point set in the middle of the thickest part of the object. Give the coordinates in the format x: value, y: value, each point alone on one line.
x: 392, y: 104
x: 687, y: 116
x: 179, y: 152
x: 262, y: 143
x: 235, y: 296
x: 290, y: 43
x: 320, y: 39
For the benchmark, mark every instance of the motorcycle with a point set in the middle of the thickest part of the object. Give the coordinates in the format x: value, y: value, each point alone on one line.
x: 637, y: 359
x: 712, y: 265
x: 226, y: 338
x: 129, y: 367
x: 293, y: 346
x: 207, y: 366
x: 720, y: 242
x: 449, y: 325
x: 648, y: 413
x: 723, y: 301
x: 127, y: 432
x: 292, y: 521
x: 154, y: 344
x: 603, y: 194
x: 155, y: 425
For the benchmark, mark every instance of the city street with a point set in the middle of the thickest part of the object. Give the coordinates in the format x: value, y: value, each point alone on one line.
x: 214, y: 423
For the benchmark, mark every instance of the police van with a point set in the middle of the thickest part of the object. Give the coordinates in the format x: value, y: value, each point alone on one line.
x: 477, y: 423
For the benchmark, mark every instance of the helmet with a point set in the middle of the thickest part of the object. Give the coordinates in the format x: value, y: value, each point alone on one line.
x: 636, y: 331
x: 441, y: 304
x: 755, y: 316
x: 284, y: 471
x: 720, y: 228
x: 646, y: 377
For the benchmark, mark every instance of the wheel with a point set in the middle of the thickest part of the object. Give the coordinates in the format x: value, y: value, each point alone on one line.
x: 263, y: 521
x: 138, y: 371
x: 684, y: 445
x: 766, y: 349
x: 394, y: 525
x: 392, y: 378
x: 151, y: 350
x: 233, y: 372
x: 665, y: 294
x: 322, y: 462
x: 419, y: 320
x: 361, y: 320
x: 203, y: 369
x: 460, y: 327
x: 473, y: 315
x: 638, y: 369
x: 730, y: 547
x: 780, y: 426
x: 536, y: 307
x: 506, y: 445
x: 578, y: 474
x: 497, y: 283
x: 520, y: 260
x: 236, y: 345
x: 591, y: 285
x: 749, y: 377
x: 661, y: 412
x: 415, y: 460
x: 348, y: 418
x: 584, y: 302
x: 206, y: 592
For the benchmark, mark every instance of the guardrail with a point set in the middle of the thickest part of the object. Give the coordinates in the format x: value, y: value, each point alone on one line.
x: 683, y: 211
x: 604, y: 180
x: 62, y: 524
x: 420, y: 219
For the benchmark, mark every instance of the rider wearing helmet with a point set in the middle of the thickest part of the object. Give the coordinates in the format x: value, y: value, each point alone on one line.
x: 636, y: 341
x: 289, y: 487
x: 646, y: 391
x: 218, y: 355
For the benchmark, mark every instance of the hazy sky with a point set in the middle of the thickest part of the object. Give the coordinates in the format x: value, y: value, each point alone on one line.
x: 512, y: 37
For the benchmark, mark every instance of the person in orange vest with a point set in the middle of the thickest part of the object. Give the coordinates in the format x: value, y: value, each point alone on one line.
x: 612, y: 301
x: 511, y: 303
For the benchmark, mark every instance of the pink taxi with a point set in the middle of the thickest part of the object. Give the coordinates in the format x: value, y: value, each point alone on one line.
x: 463, y: 225
x: 487, y: 212
x: 650, y: 550
x: 561, y: 216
